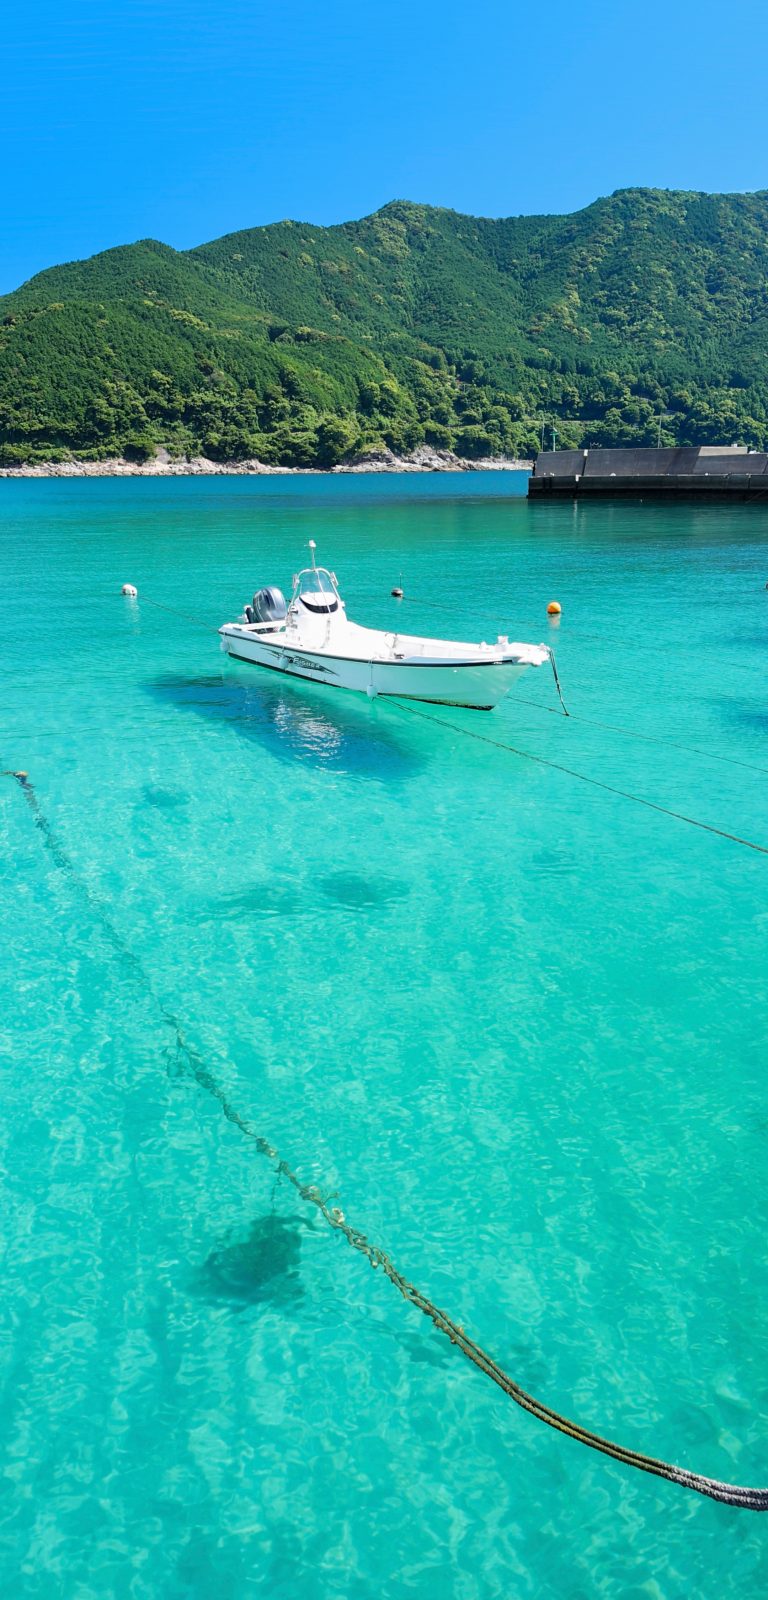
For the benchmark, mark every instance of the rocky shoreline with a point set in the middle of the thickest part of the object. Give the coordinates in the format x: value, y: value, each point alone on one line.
x: 421, y: 460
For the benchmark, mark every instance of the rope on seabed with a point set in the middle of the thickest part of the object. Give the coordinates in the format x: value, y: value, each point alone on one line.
x: 596, y: 783
x: 749, y: 1499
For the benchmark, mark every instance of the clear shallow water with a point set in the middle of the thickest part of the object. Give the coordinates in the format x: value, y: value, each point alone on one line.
x: 517, y: 1023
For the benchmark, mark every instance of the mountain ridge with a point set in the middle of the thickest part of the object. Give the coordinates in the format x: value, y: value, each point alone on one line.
x: 298, y: 344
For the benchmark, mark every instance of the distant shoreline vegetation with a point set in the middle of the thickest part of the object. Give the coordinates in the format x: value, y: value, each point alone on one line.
x: 642, y: 319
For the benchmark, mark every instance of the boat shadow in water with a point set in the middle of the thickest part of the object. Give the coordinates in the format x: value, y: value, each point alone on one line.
x: 298, y: 723
x: 259, y: 1267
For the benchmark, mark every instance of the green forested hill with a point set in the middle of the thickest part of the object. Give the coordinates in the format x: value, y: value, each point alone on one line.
x: 299, y: 344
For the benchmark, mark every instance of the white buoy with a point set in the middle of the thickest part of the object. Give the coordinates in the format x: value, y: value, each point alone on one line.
x: 130, y: 589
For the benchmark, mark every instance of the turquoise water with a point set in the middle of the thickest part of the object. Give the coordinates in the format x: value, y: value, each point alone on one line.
x: 515, y: 1022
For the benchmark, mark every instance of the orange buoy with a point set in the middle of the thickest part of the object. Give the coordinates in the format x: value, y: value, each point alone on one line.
x: 554, y: 608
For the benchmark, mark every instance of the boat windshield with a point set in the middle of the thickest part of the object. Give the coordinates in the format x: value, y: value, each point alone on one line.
x: 316, y: 588
x: 316, y: 581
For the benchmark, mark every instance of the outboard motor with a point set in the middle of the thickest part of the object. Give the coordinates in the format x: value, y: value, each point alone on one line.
x: 269, y: 605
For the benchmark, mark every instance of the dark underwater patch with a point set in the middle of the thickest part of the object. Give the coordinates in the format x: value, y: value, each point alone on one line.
x: 163, y: 799
x: 357, y: 892
x: 429, y: 1349
x: 739, y: 641
x: 259, y: 1266
x: 267, y: 897
x: 745, y: 714
x: 554, y: 863
x: 752, y: 717
x: 263, y: 897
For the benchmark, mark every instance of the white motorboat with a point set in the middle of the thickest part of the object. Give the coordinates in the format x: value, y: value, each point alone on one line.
x: 312, y: 637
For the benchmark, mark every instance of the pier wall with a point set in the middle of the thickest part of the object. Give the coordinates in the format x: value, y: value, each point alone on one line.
x: 699, y: 473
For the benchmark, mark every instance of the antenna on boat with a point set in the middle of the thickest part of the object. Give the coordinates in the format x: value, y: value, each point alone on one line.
x: 313, y: 548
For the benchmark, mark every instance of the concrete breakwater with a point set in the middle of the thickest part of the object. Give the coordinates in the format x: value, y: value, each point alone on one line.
x: 690, y: 472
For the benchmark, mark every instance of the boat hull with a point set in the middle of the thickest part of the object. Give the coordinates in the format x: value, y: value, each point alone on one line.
x: 478, y: 685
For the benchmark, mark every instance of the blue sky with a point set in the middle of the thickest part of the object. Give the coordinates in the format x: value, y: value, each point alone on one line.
x: 183, y: 121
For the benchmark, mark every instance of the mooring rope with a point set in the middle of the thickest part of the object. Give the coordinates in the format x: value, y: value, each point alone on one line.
x: 553, y: 664
x: 174, y: 611
x: 744, y: 1497
x: 583, y: 777
x: 647, y: 738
